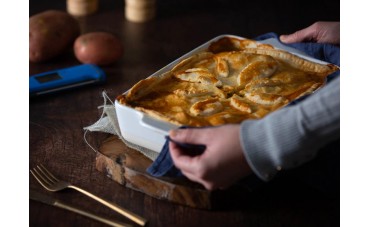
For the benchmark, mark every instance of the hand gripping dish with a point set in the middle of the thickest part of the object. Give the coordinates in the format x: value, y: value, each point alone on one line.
x: 227, y: 80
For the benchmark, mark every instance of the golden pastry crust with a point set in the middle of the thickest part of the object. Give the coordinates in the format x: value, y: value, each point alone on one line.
x: 234, y: 80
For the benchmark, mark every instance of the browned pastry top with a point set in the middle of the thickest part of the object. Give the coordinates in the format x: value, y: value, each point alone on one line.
x: 232, y: 81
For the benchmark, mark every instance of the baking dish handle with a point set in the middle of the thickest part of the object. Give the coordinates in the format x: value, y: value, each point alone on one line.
x: 156, y: 125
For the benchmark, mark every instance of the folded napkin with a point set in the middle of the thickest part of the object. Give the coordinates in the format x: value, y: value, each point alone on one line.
x: 163, y: 164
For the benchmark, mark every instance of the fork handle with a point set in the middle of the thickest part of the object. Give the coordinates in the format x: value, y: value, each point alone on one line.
x: 134, y: 217
x: 90, y: 215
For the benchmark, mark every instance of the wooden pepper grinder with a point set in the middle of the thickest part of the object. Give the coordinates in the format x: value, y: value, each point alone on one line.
x: 140, y: 10
x: 82, y: 7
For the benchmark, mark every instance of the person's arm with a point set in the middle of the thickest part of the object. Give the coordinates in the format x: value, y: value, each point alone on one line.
x: 292, y: 136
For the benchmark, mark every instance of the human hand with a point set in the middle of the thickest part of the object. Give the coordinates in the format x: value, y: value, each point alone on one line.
x: 220, y: 165
x: 320, y: 32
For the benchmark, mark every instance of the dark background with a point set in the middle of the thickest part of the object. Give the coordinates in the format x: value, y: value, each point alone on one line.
x: 197, y: 22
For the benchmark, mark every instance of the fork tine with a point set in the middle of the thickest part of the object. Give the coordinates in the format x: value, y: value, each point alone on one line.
x: 40, y: 179
x: 50, y: 174
x: 47, y: 174
x: 41, y: 175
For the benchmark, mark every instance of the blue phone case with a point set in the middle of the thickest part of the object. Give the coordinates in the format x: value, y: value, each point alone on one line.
x: 67, y: 78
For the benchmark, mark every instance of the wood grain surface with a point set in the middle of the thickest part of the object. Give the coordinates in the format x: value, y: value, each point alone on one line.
x: 56, y: 135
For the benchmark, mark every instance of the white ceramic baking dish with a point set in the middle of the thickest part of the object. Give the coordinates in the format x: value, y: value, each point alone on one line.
x: 143, y: 130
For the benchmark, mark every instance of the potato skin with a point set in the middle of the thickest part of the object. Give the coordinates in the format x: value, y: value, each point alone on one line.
x: 50, y: 33
x: 100, y: 48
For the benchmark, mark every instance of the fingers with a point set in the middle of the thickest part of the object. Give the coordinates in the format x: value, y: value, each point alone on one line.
x: 192, y: 136
x: 220, y: 165
x: 299, y: 36
x: 186, y: 162
x: 191, y: 166
x: 182, y: 160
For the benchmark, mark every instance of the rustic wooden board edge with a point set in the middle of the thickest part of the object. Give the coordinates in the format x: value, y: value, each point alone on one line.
x: 127, y: 167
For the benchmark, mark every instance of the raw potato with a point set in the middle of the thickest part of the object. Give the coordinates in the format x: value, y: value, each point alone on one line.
x: 100, y: 48
x: 51, y: 33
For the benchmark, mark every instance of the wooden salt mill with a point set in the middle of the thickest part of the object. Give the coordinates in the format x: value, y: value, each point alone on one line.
x: 140, y: 10
x: 82, y: 7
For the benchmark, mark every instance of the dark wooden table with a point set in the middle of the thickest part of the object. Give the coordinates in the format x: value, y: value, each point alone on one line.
x: 56, y: 135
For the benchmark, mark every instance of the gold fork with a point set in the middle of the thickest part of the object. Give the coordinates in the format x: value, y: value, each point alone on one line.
x: 53, y: 184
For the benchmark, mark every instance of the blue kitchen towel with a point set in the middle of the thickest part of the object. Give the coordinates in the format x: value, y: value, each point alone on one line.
x: 163, y: 164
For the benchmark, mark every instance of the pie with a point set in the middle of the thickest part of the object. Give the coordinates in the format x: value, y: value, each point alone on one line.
x: 233, y: 80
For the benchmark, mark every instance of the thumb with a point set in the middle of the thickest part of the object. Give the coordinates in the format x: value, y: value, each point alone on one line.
x: 292, y: 38
x: 192, y: 136
x: 296, y: 37
x: 285, y: 38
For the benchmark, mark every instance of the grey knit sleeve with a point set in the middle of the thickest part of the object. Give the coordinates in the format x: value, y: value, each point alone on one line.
x: 292, y: 136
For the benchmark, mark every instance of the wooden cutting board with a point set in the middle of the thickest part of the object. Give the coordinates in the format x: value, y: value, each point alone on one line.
x: 128, y: 167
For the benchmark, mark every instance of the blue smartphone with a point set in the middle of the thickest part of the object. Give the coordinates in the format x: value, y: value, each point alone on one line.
x: 66, y: 78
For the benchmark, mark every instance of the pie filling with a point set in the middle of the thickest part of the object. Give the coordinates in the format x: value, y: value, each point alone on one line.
x: 232, y: 81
